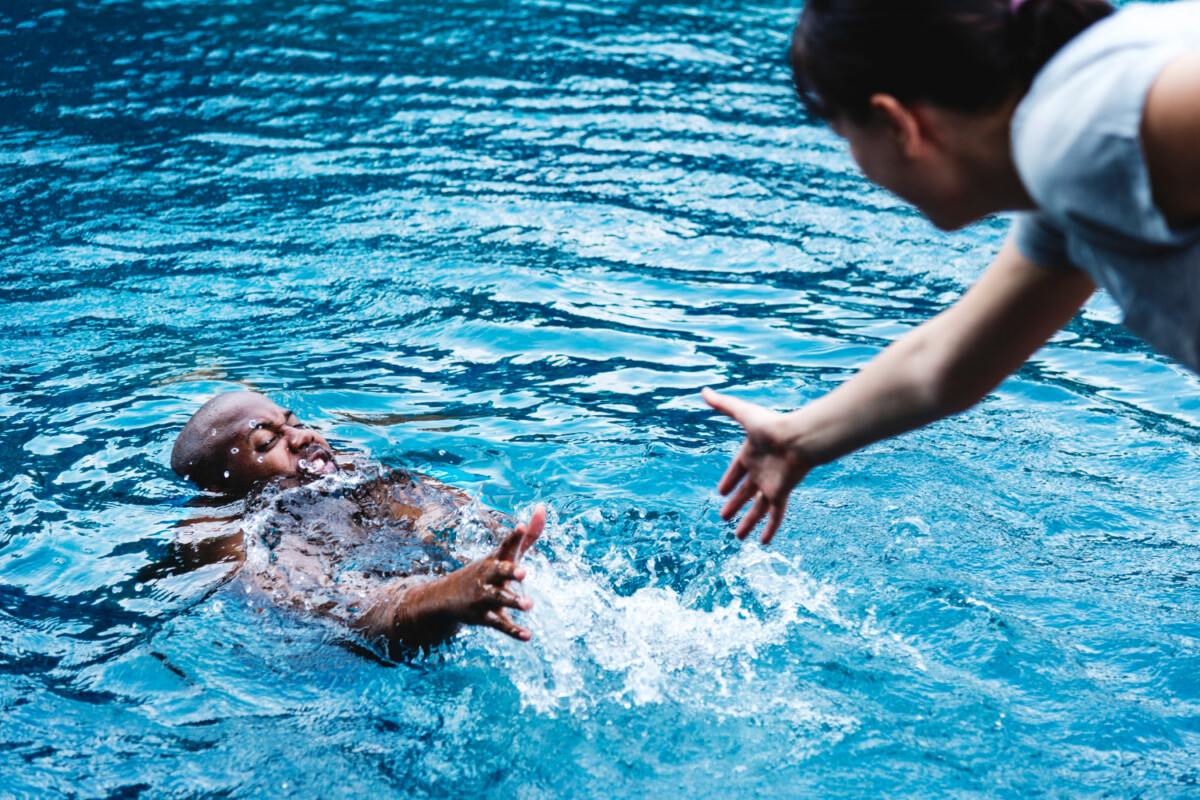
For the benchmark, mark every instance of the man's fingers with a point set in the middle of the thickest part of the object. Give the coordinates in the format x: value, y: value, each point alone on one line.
x: 510, y: 548
x: 737, y: 500
x: 532, y: 530
x: 496, y: 597
x: 502, y: 598
x: 522, y: 536
x: 504, y: 571
x: 500, y: 621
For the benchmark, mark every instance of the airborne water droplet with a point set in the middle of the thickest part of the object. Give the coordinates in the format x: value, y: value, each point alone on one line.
x: 226, y: 473
x: 234, y: 451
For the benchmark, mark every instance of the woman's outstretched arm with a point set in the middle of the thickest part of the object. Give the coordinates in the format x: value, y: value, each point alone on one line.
x: 940, y: 368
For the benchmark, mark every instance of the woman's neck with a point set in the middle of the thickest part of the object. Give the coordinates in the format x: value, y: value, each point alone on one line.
x: 982, y: 145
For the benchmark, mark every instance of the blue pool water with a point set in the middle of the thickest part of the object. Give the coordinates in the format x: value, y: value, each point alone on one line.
x: 506, y: 243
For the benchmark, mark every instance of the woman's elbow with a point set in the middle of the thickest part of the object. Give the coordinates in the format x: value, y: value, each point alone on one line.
x: 953, y: 384
x: 960, y: 386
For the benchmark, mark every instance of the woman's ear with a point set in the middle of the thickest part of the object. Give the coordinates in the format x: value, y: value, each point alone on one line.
x: 903, y: 124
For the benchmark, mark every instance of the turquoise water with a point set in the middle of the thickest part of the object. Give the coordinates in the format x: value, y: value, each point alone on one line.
x: 506, y: 244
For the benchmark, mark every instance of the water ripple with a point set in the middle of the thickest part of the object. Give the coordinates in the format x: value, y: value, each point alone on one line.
x: 506, y: 244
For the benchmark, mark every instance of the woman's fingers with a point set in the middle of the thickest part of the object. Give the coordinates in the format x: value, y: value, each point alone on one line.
x: 760, y: 508
x: 733, y: 475
x: 774, y: 522
x: 767, y: 460
x: 726, y: 404
x: 757, y: 511
x: 738, y: 499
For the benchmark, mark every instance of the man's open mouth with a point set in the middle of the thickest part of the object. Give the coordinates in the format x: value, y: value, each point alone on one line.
x: 316, y: 461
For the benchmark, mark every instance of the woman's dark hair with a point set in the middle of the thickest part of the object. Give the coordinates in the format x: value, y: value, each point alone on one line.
x: 962, y: 55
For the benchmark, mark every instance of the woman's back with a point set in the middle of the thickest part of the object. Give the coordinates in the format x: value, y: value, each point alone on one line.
x: 1078, y: 148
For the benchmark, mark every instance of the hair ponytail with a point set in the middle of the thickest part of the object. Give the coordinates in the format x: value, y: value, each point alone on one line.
x: 1040, y: 28
x: 963, y: 55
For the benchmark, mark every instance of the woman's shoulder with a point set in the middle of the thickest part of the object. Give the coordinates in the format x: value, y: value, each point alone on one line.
x: 1075, y: 135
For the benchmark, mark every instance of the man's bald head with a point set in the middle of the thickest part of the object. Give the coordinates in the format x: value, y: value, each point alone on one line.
x: 238, y: 438
x: 199, y: 451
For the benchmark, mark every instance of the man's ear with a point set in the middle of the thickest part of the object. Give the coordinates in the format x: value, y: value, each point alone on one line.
x: 905, y: 125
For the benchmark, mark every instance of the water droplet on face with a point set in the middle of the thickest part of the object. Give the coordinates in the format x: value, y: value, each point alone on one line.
x: 234, y: 451
x: 214, y: 432
x: 260, y: 458
x: 253, y: 423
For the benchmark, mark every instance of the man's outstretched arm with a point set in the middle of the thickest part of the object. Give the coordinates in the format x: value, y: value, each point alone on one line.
x: 481, y: 593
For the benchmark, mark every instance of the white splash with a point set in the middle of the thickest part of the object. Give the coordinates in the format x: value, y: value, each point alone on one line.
x: 594, y: 646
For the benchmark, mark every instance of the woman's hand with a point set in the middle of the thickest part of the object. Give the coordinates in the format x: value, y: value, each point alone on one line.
x: 764, y: 471
x: 942, y: 367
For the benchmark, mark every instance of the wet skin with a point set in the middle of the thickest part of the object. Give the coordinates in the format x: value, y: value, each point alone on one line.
x: 254, y: 439
x: 261, y: 440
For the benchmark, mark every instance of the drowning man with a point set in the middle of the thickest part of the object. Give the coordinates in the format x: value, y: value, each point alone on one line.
x: 354, y: 542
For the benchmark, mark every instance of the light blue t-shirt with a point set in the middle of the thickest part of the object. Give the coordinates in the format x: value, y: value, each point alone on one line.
x: 1075, y: 139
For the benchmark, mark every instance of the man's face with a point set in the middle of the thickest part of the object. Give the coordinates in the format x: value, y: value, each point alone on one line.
x: 260, y: 440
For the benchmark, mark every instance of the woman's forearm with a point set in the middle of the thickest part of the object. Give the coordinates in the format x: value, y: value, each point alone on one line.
x: 896, y: 392
x: 945, y: 365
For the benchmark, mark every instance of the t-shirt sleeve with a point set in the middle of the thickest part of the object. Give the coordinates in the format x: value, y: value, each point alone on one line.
x: 1076, y: 145
x: 1039, y: 241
